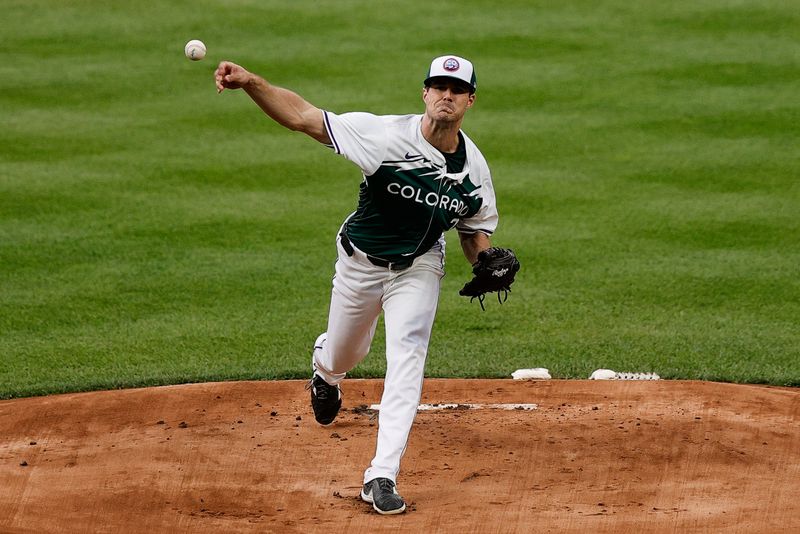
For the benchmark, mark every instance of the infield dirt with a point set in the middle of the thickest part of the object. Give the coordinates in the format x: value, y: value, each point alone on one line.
x: 609, y: 456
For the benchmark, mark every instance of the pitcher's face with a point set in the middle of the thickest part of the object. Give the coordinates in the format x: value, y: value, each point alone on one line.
x: 447, y: 100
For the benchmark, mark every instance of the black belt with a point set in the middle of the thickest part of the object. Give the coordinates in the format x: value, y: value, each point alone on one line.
x: 378, y: 262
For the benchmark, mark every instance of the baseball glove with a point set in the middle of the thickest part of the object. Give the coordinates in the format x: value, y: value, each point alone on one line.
x: 493, y: 272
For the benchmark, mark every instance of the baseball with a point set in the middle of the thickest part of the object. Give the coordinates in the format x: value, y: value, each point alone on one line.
x: 195, y: 50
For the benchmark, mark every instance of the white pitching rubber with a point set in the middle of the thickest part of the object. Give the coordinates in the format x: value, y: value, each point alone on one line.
x: 463, y: 406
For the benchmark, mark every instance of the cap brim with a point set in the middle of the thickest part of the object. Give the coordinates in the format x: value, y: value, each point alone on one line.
x: 461, y: 82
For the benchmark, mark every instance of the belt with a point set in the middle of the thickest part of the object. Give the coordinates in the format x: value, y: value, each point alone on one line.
x: 378, y: 262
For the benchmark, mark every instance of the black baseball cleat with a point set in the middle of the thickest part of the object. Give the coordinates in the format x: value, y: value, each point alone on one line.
x: 382, y: 494
x: 325, y: 399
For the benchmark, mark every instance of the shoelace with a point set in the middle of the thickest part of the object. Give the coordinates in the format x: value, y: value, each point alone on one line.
x: 323, y: 391
x: 386, y: 485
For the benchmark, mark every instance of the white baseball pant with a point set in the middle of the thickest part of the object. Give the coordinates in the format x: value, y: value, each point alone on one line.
x: 409, y: 299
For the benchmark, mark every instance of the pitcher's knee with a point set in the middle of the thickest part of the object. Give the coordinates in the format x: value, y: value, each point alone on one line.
x: 342, y: 362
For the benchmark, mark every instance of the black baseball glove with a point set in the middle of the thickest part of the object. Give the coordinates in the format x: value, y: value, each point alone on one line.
x: 493, y: 272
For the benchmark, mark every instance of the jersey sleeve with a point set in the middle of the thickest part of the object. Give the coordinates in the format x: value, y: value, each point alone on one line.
x: 359, y: 137
x: 485, y: 220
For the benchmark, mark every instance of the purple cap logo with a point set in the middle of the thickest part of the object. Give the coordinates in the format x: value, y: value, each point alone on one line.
x: 451, y: 64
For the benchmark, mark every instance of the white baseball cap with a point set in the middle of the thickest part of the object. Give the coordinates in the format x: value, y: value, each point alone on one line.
x: 453, y: 67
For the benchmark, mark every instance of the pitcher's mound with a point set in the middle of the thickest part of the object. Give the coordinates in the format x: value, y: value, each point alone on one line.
x: 610, y: 456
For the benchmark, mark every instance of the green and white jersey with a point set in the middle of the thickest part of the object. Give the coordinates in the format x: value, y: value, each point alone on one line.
x: 411, y: 192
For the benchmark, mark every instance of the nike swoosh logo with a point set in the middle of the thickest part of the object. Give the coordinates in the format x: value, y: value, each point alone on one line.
x: 413, y: 156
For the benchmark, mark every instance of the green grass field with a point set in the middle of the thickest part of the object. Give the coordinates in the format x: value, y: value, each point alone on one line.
x: 645, y: 157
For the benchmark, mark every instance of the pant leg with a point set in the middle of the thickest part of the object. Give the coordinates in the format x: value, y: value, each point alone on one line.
x: 409, y: 310
x: 355, y: 306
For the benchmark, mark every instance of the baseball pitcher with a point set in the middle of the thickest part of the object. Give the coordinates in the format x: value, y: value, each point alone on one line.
x: 421, y: 176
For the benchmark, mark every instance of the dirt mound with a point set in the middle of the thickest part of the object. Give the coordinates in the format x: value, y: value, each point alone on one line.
x: 248, y: 457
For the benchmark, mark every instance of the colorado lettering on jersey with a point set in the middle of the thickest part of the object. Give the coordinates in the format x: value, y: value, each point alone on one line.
x: 408, y: 196
x: 431, y: 198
